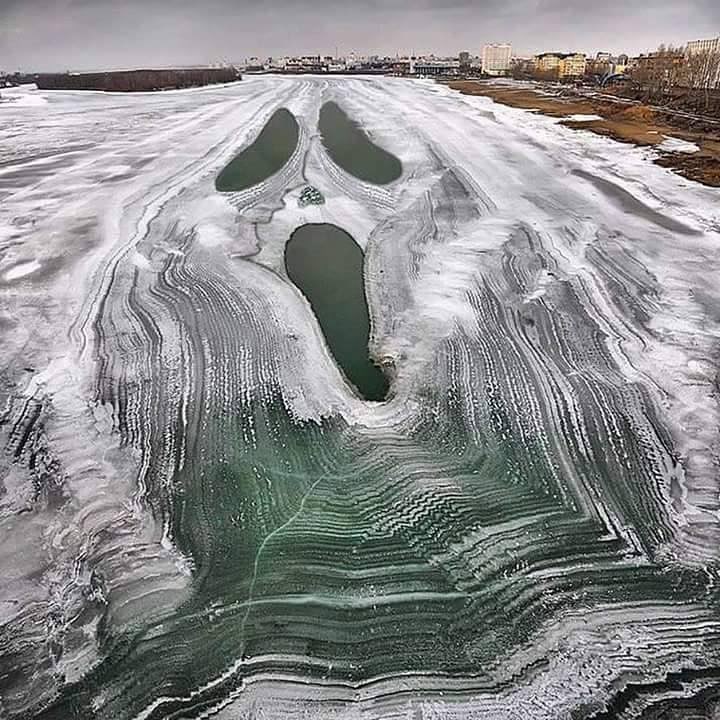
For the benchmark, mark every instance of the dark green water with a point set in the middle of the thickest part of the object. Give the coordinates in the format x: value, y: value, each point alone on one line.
x: 326, y: 264
x: 271, y: 150
x: 352, y: 149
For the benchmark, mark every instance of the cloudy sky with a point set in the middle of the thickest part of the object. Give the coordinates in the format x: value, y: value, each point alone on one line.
x: 85, y: 34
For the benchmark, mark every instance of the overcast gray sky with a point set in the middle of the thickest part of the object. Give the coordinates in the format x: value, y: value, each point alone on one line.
x: 85, y: 34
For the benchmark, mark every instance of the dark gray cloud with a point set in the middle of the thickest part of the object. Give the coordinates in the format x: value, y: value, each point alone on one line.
x: 82, y: 34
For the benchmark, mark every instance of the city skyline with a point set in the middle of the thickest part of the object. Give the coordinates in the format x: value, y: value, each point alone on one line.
x: 94, y: 34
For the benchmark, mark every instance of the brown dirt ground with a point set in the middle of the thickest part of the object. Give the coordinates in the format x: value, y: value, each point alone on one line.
x: 636, y: 124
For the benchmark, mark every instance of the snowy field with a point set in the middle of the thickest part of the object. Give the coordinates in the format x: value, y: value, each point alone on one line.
x: 200, y: 518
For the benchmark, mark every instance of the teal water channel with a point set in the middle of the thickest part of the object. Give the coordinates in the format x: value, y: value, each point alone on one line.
x: 326, y: 264
x: 272, y: 148
x: 349, y: 146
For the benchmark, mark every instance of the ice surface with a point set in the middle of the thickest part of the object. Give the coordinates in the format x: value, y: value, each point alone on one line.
x: 201, y: 518
x: 22, y: 269
x: 671, y: 144
x: 22, y: 96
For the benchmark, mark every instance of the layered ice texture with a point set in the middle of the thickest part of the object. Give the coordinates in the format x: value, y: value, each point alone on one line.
x: 199, y: 516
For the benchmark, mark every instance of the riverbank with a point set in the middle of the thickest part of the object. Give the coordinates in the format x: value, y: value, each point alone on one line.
x: 689, y: 148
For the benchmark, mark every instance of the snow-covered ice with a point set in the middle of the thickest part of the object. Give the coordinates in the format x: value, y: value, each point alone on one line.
x: 22, y: 269
x: 201, y: 517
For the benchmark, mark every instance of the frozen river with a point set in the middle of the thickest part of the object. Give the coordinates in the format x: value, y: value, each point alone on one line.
x: 201, y: 517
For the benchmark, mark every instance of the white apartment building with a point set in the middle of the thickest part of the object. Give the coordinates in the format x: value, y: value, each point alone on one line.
x: 496, y: 59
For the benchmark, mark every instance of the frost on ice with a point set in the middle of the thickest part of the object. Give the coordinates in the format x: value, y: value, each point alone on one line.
x: 200, y: 517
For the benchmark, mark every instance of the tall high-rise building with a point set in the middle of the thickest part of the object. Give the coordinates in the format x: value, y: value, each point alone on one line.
x: 496, y: 59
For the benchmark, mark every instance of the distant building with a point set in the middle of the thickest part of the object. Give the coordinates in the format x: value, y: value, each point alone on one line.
x: 437, y: 68
x: 660, y: 71
x: 573, y: 66
x: 464, y: 58
x: 496, y: 59
x: 658, y: 64
x: 547, y: 65
x: 306, y: 64
x: 403, y: 66
x: 522, y: 66
x: 560, y: 66
x: 620, y: 65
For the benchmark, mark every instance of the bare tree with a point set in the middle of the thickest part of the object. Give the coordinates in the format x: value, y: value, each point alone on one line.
x: 661, y: 72
x: 703, y: 74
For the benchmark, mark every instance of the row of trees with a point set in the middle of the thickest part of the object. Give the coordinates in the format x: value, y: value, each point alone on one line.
x: 702, y: 74
x: 136, y: 80
x: 677, y: 72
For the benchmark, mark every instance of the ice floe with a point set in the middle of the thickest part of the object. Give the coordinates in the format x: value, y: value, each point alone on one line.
x: 672, y: 144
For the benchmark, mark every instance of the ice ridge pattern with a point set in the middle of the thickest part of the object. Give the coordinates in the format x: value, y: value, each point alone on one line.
x: 201, y: 518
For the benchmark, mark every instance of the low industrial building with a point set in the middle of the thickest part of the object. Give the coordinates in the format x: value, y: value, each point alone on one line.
x: 437, y: 68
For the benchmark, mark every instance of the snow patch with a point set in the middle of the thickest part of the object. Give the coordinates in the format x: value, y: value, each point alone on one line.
x: 22, y: 96
x: 671, y: 144
x: 21, y: 270
x: 579, y: 117
x: 214, y: 221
